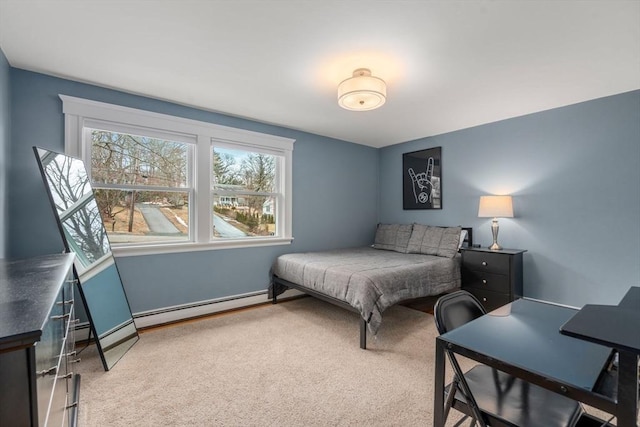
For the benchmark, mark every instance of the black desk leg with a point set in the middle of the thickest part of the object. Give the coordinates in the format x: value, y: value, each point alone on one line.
x: 438, y: 390
x: 627, y: 406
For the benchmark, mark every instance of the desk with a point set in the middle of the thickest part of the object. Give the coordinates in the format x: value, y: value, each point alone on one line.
x: 523, y: 339
x: 615, y: 326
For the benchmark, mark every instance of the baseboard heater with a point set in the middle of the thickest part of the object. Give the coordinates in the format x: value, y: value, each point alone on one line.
x: 177, y: 313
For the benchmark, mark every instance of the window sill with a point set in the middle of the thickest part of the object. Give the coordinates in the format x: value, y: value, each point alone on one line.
x: 170, y: 248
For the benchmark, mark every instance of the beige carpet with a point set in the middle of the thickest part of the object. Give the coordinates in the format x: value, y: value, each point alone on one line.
x: 293, y: 364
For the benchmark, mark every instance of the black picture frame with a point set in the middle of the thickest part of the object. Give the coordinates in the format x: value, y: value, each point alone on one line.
x: 422, y: 179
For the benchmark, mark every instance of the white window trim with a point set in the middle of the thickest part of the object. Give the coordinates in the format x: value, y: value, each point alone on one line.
x: 80, y: 113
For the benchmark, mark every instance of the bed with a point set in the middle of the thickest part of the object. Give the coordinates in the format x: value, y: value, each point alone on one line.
x: 406, y: 261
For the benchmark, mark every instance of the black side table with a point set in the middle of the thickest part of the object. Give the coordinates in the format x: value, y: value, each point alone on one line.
x: 494, y: 277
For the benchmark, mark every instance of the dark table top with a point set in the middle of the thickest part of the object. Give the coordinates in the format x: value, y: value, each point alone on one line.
x: 28, y: 290
x: 611, y: 325
x: 499, y: 251
x: 525, y: 334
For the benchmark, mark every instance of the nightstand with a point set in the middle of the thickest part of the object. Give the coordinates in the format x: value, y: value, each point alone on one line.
x: 494, y: 277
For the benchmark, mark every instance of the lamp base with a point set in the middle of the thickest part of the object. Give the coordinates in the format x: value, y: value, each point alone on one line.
x: 494, y: 231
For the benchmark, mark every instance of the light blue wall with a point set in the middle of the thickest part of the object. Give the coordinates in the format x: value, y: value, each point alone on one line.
x: 333, y: 206
x: 574, y: 173
x: 5, y: 135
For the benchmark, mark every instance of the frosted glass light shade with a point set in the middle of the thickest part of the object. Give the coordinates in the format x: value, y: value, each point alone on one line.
x: 362, y: 92
x: 495, y: 207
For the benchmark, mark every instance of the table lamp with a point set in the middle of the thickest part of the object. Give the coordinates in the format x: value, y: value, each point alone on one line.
x: 495, y: 207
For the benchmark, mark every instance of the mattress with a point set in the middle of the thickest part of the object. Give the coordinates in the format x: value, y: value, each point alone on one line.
x: 370, y: 280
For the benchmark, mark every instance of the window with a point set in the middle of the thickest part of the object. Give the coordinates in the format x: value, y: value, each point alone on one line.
x: 168, y: 184
x: 244, y: 192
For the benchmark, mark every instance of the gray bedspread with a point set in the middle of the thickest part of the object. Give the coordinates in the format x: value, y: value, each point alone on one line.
x: 370, y: 280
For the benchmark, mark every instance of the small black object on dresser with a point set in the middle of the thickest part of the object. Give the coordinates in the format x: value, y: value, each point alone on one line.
x: 37, y: 347
x: 493, y: 276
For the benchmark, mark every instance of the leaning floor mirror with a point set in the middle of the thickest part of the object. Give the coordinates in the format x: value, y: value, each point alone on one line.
x: 83, y: 233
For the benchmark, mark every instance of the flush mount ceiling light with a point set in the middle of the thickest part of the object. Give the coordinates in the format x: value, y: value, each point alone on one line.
x: 362, y: 92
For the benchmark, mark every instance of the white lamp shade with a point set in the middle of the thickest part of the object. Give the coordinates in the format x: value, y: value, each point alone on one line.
x: 362, y: 92
x: 495, y: 207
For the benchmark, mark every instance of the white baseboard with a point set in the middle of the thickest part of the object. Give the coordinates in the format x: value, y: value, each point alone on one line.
x: 203, y: 308
x: 176, y: 313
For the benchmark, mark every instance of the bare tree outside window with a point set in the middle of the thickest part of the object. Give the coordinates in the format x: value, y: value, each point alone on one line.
x: 138, y: 181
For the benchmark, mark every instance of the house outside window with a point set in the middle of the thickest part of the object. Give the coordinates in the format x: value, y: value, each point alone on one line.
x: 168, y: 184
x: 242, y: 182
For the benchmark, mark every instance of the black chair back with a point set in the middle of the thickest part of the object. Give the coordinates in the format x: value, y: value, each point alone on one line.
x: 456, y: 309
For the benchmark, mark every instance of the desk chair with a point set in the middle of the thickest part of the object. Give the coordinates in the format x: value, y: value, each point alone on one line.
x: 492, y: 397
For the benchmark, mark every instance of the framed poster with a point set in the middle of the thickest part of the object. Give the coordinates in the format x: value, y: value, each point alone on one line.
x: 422, y: 179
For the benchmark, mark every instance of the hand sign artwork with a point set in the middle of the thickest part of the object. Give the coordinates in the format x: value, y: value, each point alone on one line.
x: 422, y: 179
x: 422, y: 185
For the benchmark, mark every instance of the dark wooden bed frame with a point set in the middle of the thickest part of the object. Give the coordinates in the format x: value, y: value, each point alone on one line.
x: 363, y: 322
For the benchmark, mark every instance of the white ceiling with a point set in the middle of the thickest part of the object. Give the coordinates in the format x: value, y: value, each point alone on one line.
x: 448, y: 64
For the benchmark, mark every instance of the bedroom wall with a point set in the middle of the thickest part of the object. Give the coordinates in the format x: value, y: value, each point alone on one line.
x: 332, y: 205
x: 574, y: 173
x: 5, y: 134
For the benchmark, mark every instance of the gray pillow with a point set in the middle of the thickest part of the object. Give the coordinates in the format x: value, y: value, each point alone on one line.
x: 439, y: 241
x: 393, y: 237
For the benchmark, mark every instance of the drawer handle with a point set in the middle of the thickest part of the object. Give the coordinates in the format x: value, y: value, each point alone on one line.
x: 60, y: 317
x: 66, y: 377
x: 51, y: 371
x: 484, y: 263
x: 72, y: 354
x: 72, y: 281
x: 68, y: 302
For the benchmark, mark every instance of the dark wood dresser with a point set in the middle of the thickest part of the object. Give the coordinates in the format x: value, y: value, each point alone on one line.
x: 494, y: 277
x: 37, y: 347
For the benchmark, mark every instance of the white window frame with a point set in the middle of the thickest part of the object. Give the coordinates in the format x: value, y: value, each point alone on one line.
x: 82, y: 113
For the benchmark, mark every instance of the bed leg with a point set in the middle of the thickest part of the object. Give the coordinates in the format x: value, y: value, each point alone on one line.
x: 363, y: 334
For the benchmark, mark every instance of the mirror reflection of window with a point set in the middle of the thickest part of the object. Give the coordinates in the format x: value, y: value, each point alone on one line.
x: 76, y: 207
x: 70, y: 179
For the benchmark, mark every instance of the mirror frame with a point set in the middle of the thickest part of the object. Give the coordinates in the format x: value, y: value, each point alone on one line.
x: 117, y: 339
